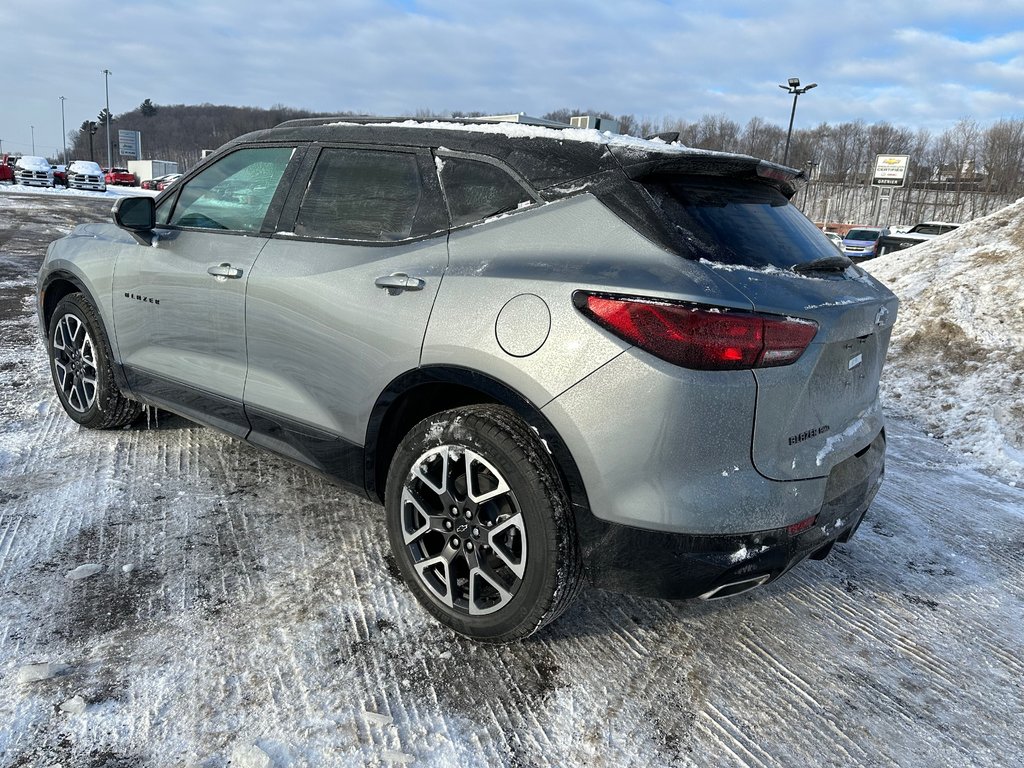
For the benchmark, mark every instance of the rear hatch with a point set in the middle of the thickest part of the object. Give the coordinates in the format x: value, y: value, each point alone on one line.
x: 820, y: 410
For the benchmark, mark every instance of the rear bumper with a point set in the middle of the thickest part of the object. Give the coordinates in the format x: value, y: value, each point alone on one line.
x: 679, y: 566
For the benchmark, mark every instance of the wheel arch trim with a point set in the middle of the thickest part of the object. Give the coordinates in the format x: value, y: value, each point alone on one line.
x: 46, y: 304
x: 381, y: 442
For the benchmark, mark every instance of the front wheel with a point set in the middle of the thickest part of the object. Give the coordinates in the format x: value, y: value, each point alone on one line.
x: 80, y: 362
x: 480, y: 525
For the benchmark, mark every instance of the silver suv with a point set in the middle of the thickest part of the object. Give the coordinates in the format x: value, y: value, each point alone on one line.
x: 553, y: 355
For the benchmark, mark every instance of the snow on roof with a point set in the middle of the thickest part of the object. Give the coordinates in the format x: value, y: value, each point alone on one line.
x: 957, y: 353
x: 524, y: 130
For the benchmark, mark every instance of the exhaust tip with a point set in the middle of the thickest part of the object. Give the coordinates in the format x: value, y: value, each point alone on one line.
x: 734, y: 588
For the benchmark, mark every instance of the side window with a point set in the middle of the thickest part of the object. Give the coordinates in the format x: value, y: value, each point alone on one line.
x: 358, y: 194
x: 476, y: 190
x: 234, y: 193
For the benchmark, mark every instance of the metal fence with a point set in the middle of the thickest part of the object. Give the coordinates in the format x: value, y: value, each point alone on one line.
x: 861, y: 204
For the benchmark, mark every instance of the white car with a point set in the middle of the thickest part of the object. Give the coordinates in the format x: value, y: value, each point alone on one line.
x: 85, y: 174
x: 31, y: 170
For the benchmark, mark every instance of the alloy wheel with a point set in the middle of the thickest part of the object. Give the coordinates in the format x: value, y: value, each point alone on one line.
x: 464, y: 530
x: 74, y: 360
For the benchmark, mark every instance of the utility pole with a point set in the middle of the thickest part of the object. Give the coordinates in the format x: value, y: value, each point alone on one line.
x: 106, y: 86
x: 63, y: 132
x: 33, y: 138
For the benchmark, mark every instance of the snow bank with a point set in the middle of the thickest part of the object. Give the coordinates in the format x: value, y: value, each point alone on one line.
x: 956, y: 363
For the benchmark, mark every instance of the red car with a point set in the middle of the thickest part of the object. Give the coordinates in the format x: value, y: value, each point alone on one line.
x: 152, y: 183
x: 7, y: 169
x: 119, y: 177
x: 167, y: 180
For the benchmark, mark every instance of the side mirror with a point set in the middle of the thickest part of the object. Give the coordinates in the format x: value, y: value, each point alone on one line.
x: 138, y: 216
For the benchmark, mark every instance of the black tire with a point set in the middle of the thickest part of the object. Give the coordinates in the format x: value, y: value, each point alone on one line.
x: 518, y: 534
x: 80, y: 364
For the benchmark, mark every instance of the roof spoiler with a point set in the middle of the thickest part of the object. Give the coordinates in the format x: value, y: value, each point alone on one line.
x: 704, y: 163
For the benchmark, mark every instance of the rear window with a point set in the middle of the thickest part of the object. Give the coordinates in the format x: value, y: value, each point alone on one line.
x: 742, y: 223
x: 476, y: 190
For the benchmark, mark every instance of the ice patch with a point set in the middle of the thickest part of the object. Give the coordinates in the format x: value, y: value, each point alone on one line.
x: 395, y: 756
x: 34, y: 673
x: 74, y: 706
x: 83, y: 572
x: 250, y: 756
x: 375, y: 718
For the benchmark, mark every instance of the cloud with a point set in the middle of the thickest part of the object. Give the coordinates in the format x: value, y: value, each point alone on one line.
x: 920, y: 64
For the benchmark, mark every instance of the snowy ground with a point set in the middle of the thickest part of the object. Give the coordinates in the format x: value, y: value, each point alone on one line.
x: 246, y: 613
x: 112, y: 193
x: 957, y: 358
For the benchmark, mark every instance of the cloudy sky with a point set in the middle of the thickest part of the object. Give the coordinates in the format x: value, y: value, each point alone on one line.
x: 916, y: 64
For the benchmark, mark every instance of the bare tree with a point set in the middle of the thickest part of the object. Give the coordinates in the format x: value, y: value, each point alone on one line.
x: 1002, y: 155
x: 762, y: 139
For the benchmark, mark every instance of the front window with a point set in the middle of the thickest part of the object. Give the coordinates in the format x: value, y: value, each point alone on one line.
x: 233, y: 194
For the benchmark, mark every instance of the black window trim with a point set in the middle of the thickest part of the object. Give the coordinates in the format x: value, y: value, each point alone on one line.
x: 290, y: 211
x: 443, y: 152
x: 273, y: 214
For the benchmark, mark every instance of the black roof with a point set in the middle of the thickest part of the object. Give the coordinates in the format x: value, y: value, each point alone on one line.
x: 539, y: 154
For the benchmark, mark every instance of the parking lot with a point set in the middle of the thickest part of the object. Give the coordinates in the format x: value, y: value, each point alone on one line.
x: 246, y: 610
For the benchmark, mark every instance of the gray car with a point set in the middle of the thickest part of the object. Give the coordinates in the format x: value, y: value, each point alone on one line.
x: 554, y: 356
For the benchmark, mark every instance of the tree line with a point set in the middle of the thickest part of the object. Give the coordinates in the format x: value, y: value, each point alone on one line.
x: 968, y: 155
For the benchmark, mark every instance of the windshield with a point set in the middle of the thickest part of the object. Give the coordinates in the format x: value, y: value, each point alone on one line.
x: 862, y: 234
x: 744, y: 223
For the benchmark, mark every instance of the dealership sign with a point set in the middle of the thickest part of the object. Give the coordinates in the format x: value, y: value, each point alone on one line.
x: 890, y: 170
x: 130, y: 144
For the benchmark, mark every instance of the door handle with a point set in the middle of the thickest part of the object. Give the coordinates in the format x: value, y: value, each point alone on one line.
x: 224, y: 271
x: 398, y: 282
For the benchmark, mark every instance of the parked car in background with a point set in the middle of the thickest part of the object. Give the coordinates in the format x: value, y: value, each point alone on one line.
x: 151, y: 183
x: 919, y: 233
x: 85, y: 174
x: 836, y: 240
x: 859, y: 243
x: 167, y: 181
x: 60, y: 175
x: 32, y: 170
x: 551, y: 354
x: 7, y: 169
x: 120, y: 177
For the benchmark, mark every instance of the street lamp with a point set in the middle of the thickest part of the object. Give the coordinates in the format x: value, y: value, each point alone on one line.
x: 107, y: 75
x: 796, y: 90
x: 63, y: 131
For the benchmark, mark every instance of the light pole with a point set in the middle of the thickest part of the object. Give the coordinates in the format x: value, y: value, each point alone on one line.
x: 63, y: 132
x: 33, y: 139
x: 796, y: 90
x: 106, y: 76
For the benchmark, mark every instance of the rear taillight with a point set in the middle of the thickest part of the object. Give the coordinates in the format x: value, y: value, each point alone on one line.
x: 700, y: 337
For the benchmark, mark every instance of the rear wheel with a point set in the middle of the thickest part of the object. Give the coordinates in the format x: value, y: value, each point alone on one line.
x: 480, y: 525
x: 80, y: 362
